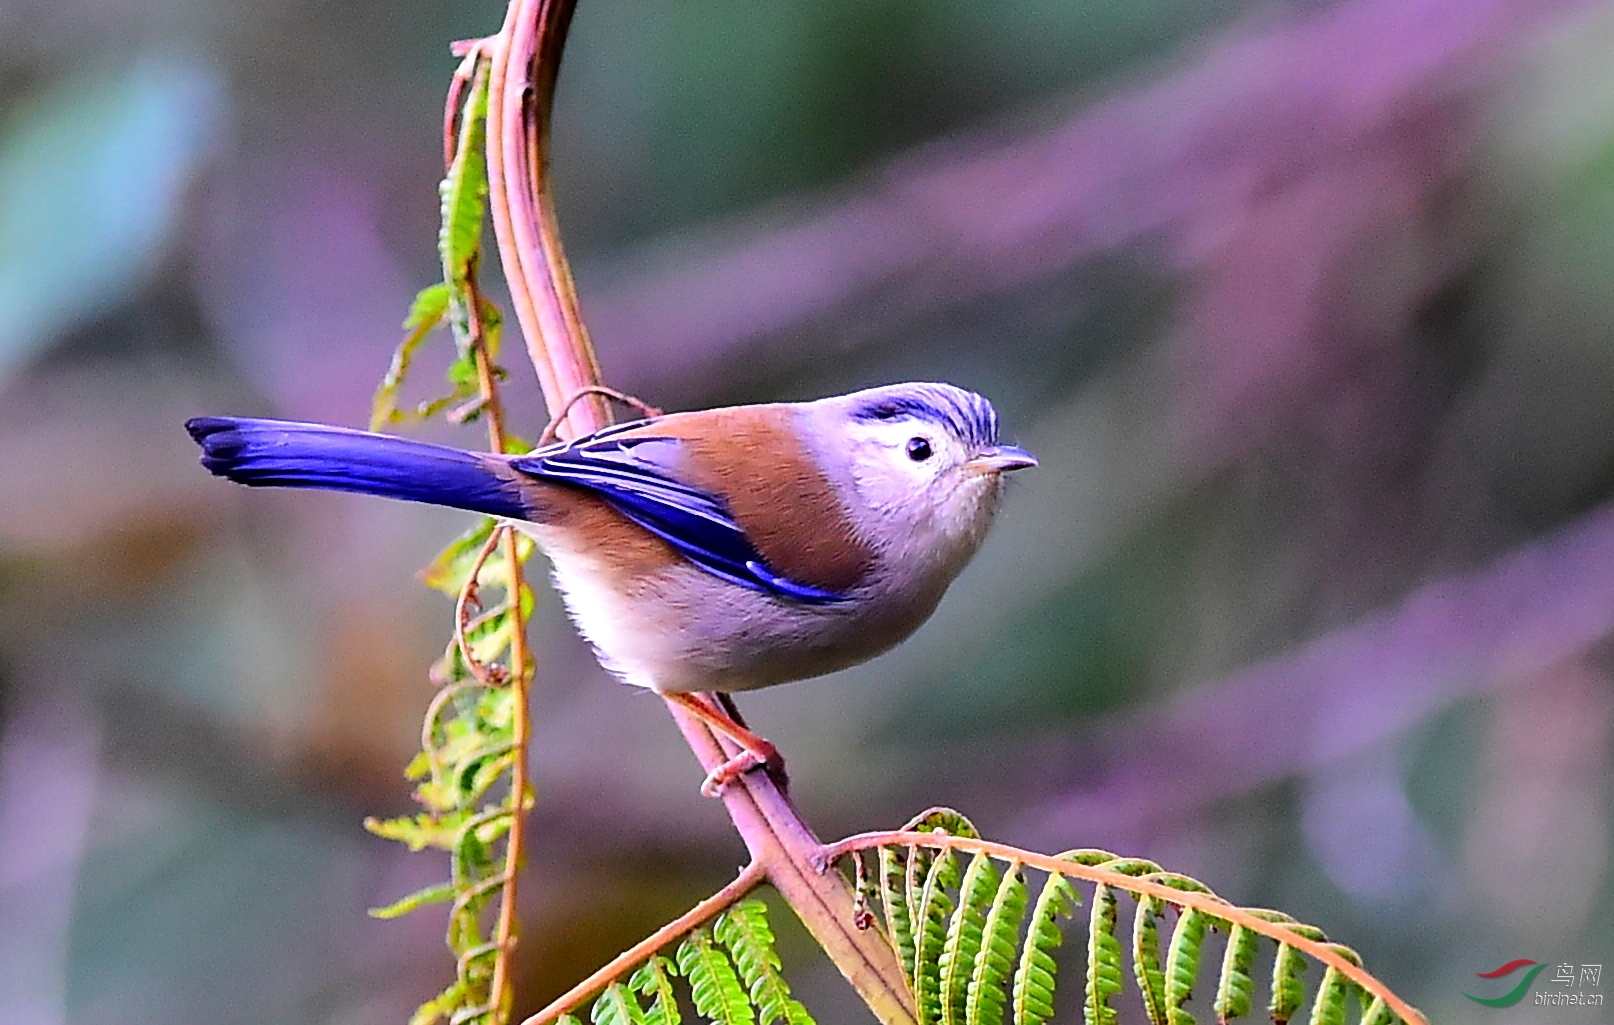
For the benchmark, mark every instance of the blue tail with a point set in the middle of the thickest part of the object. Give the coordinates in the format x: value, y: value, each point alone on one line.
x: 277, y: 453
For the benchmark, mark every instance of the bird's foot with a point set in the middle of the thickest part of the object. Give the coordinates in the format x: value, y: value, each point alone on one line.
x: 755, y: 751
x: 762, y: 756
x: 719, y: 778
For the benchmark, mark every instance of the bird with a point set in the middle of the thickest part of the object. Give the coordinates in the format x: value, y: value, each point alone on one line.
x: 709, y: 551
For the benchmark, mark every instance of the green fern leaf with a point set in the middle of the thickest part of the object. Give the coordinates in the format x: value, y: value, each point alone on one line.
x: 464, y: 191
x: 1329, y: 1006
x: 428, y: 309
x: 930, y: 934
x: 1378, y: 1013
x: 1146, y: 970
x: 652, y: 981
x: 1146, y: 959
x: 1182, y: 963
x: 1103, y: 960
x: 744, y: 930
x: 964, y: 932
x: 713, y: 985
x: 894, y: 901
x: 448, y: 571
x: 986, y: 998
x: 567, y: 1019
x: 1234, y: 988
x: 421, y: 830
x: 1288, y: 988
x: 1033, y: 993
x: 942, y: 820
x: 917, y: 872
x: 441, y: 1005
x: 439, y: 893
x: 426, y: 313
x: 616, y: 1006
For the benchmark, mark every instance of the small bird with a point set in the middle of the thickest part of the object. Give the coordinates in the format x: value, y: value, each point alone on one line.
x: 716, y: 550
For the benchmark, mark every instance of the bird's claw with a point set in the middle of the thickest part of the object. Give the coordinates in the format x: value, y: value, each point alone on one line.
x: 729, y: 771
x: 769, y: 758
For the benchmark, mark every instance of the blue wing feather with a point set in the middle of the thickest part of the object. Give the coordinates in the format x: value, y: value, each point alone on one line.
x: 636, y: 476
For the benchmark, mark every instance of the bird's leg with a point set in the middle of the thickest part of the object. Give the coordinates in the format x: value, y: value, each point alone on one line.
x: 755, y: 751
x: 774, y: 761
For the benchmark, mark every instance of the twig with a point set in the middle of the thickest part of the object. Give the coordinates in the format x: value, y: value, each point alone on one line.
x: 707, y: 909
x: 520, y: 671
x: 520, y: 677
x: 559, y: 418
x: 525, y: 62
x: 471, y: 53
x: 462, y: 610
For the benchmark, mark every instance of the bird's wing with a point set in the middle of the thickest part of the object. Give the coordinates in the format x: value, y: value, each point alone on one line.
x: 637, y: 473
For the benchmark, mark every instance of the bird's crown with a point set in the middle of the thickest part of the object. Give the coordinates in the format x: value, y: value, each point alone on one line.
x: 964, y: 414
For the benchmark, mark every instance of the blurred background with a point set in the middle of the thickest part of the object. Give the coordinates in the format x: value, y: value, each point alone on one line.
x: 1307, y: 307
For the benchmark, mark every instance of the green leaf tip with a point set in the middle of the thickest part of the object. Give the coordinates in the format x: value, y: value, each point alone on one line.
x: 440, y: 893
x: 713, y: 984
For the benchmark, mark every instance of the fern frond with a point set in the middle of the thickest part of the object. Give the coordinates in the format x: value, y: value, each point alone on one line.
x: 1033, y: 993
x: 1146, y: 959
x: 1235, y: 985
x: 986, y: 997
x: 713, y: 984
x: 964, y: 933
x: 427, y: 312
x: 917, y: 875
x: 1103, y: 959
x: 438, y: 893
x: 651, y: 980
x: 1378, y: 1013
x: 1335, y: 990
x: 930, y: 934
x: 1328, y: 1008
x: 744, y: 930
x: 464, y: 191
x: 440, y: 1006
x: 1182, y: 963
x: 1288, y: 988
x: 616, y: 1006
x: 894, y: 902
x: 942, y: 820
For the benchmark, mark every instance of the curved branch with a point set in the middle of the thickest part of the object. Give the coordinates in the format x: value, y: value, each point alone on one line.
x: 525, y: 60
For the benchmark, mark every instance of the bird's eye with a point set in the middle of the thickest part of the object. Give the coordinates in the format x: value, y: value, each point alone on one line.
x: 918, y: 449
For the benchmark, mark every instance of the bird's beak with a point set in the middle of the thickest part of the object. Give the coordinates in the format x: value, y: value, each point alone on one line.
x: 1001, y: 459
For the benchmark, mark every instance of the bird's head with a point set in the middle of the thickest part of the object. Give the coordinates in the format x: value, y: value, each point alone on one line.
x: 923, y: 466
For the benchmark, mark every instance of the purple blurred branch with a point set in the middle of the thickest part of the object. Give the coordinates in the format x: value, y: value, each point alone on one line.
x: 1537, y: 607
x: 1325, y: 107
